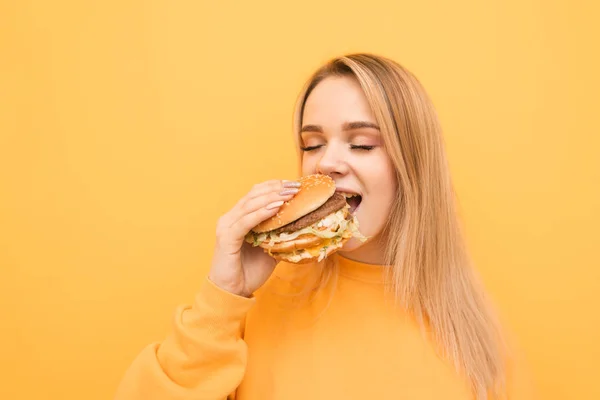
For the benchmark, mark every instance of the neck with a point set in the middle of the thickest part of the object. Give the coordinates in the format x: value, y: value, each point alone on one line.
x: 370, y: 252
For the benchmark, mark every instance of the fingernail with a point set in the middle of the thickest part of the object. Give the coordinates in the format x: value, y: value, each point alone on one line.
x: 276, y: 204
x: 291, y: 184
x: 287, y: 192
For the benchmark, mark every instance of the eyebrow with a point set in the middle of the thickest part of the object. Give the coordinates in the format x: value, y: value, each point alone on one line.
x: 348, y: 126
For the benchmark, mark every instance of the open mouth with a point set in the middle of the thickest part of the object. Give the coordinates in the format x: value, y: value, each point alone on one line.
x: 353, y: 201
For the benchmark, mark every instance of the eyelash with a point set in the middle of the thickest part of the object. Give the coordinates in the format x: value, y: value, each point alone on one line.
x: 361, y: 147
x: 310, y: 148
x: 352, y: 146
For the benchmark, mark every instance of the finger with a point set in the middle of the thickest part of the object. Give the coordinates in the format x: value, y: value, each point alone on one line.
x: 249, y: 221
x: 257, y: 190
x: 271, y: 186
x: 277, y: 190
x: 265, y: 200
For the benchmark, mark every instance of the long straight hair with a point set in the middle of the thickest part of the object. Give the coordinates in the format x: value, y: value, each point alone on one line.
x: 432, y: 275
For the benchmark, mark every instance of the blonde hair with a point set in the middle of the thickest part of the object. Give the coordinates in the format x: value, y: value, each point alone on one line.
x: 432, y: 274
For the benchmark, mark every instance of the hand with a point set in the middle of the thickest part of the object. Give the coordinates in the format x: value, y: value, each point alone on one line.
x: 237, y: 266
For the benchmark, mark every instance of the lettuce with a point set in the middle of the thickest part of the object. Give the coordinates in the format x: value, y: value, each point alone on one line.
x: 354, y: 232
x: 343, y: 229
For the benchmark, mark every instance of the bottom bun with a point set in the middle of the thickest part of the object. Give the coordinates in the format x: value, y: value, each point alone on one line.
x: 287, y: 257
x: 284, y: 257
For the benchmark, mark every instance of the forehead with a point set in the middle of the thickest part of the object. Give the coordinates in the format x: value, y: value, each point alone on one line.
x: 336, y: 100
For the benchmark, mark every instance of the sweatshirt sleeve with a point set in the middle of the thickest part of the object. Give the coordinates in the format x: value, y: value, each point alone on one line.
x: 204, y: 357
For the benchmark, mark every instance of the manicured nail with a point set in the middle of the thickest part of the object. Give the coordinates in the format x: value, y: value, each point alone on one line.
x: 287, y: 192
x: 276, y: 204
x: 291, y: 184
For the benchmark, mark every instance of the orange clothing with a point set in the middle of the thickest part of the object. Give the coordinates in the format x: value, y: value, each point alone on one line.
x: 349, y: 342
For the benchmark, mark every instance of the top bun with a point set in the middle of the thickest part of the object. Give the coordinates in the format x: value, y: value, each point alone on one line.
x: 314, y: 191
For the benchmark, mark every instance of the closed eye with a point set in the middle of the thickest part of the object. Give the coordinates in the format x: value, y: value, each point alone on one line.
x: 311, y: 148
x: 361, y: 147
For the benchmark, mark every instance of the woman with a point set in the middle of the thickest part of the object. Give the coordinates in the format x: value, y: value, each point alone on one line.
x: 400, y: 315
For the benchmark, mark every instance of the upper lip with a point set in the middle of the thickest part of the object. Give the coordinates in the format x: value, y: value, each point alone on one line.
x: 340, y: 189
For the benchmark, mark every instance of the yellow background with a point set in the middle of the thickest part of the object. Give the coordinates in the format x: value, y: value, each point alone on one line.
x: 128, y: 127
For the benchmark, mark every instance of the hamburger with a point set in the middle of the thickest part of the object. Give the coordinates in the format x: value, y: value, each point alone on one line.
x: 315, y: 223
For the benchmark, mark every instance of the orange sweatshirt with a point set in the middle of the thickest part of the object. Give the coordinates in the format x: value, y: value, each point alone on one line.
x: 348, y: 342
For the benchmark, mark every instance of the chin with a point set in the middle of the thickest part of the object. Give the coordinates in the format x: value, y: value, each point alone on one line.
x: 351, y: 245
x: 354, y: 244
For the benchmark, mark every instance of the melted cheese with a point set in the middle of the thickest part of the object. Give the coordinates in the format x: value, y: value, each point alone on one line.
x: 315, y: 251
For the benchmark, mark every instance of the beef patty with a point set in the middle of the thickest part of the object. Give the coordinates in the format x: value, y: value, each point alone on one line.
x: 335, y: 203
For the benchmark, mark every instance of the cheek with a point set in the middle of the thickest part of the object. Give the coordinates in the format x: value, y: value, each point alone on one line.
x: 309, y: 164
x: 382, y: 192
x: 380, y: 177
x: 385, y: 186
x: 378, y: 206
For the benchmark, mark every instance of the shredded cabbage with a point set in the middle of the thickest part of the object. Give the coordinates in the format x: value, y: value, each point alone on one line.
x: 343, y: 229
x: 354, y: 232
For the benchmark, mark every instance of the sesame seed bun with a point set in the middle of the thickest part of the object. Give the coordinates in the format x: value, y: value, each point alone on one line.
x: 314, y: 191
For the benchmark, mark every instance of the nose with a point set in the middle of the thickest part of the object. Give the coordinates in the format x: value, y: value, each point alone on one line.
x: 332, y: 162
